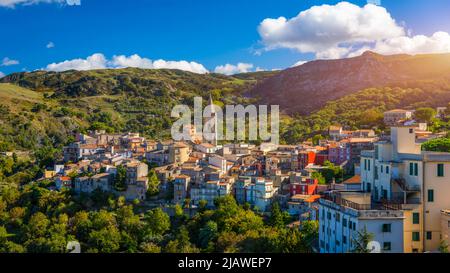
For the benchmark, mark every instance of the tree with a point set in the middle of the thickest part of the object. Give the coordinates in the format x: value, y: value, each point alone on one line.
x: 207, y: 234
x: 425, y: 114
x: 37, y: 226
x: 362, y: 240
x: 120, y: 179
x: 153, y: 184
x: 319, y: 177
x: 443, y: 247
x: 202, y: 205
x: 105, y: 240
x: 158, y: 221
x: 437, y: 145
x: 278, y: 218
x: 332, y: 172
x: 182, y: 243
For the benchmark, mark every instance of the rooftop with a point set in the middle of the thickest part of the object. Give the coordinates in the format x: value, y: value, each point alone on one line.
x: 354, y: 180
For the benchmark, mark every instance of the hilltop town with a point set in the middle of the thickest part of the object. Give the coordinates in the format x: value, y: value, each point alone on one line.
x: 347, y: 181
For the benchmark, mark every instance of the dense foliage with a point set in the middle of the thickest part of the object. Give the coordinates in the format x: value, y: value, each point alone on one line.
x: 437, y: 145
x: 364, y: 109
x: 35, y: 219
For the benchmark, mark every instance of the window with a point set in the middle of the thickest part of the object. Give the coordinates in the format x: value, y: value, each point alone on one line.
x: 387, y: 169
x: 344, y: 240
x: 368, y: 165
x: 338, y: 243
x: 365, y: 164
x: 323, y: 228
x: 369, y: 187
x: 344, y: 222
x: 381, y: 169
x: 416, y: 218
x: 430, y: 195
x: 429, y: 235
x: 386, y: 228
x: 440, y: 170
x: 329, y: 215
x: 414, y: 169
x: 387, y: 246
x: 338, y: 217
x: 416, y: 236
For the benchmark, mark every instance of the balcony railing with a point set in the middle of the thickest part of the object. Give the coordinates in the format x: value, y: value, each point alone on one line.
x: 383, y: 205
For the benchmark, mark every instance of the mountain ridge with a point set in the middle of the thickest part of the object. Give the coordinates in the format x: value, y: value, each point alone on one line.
x: 316, y: 82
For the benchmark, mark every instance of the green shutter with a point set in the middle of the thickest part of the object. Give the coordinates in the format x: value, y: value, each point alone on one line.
x: 430, y: 195
x: 416, y: 236
x: 411, y: 169
x: 416, y: 169
x: 440, y: 170
x: 416, y: 218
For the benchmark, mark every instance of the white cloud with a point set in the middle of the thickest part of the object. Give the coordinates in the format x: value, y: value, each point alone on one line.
x: 439, y: 42
x: 14, y: 3
x: 99, y: 61
x: 230, y: 69
x: 132, y: 61
x: 299, y: 63
x: 346, y: 30
x: 2, y: 74
x: 7, y: 62
x: 137, y: 61
x: 96, y: 61
x: 50, y: 45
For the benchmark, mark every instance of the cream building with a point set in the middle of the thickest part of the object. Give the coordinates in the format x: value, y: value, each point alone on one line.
x: 398, y: 174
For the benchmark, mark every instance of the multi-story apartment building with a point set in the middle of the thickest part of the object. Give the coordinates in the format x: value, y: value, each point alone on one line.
x: 209, y: 192
x: 343, y: 214
x: 260, y: 193
x: 403, y: 187
x: 136, y: 180
x: 178, y: 153
x: 398, y: 173
x: 181, y: 186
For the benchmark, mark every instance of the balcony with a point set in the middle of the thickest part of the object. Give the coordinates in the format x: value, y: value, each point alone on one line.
x: 337, y: 199
x: 401, y: 182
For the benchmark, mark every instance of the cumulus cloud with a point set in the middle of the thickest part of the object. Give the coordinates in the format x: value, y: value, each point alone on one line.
x: 8, y: 62
x: 2, y: 74
x: 439, y: 42
x: 230, y: 69
x: 50, y: 45
x: 345, y: 30
x: 137, y: 61
x: 99, y: 61
x: 328, y: 30
x: 14, y: 3
x: 96, y: 61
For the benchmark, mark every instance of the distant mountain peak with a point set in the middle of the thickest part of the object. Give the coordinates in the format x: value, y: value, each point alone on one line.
x: 371, y: 54
x: 309, y: 87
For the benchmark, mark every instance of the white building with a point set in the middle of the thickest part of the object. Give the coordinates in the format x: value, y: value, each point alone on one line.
x: 343, y: 214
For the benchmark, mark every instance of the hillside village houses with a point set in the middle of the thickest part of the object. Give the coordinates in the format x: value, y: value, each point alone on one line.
x: 397, y: 192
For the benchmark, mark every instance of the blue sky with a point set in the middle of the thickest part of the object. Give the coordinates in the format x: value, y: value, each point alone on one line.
x: 211, y: 33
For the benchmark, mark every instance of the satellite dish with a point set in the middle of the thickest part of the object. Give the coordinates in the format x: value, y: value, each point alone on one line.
x: 374, y: 247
